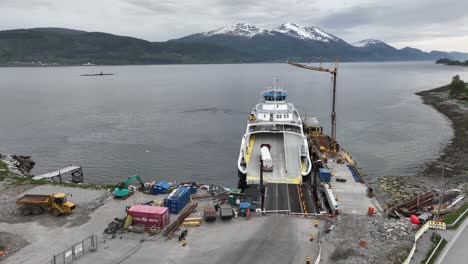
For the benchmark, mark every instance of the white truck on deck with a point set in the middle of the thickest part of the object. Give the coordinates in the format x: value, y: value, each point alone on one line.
x: 266, y: 158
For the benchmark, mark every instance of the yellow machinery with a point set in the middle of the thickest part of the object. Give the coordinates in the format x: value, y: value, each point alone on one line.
x: 35, y: 204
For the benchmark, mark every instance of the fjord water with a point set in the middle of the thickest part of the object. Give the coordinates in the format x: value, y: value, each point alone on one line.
x: 185, y: 122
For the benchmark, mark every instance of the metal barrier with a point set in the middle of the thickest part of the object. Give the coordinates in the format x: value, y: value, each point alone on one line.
x: 421, y: 231
x: 76, y: 251
x: 416, y: 237
x: 434, y: 251
x: 317, y: 260
x: 459, y: 217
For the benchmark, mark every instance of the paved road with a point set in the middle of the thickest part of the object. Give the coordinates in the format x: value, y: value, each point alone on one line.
x: 281, y: 196
x: 456, y: 250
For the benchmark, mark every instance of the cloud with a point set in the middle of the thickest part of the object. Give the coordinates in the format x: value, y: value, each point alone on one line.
x: 396, y: 21
x: 401, y: 20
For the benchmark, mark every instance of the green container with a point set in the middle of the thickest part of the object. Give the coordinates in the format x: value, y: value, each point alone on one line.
x: 232, y: 199
x: 243, y: 212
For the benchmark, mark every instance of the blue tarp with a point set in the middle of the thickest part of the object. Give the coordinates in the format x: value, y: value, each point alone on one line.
x: 354, y: 173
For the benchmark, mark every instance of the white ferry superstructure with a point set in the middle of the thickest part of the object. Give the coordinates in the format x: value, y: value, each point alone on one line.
x: 277, y: 124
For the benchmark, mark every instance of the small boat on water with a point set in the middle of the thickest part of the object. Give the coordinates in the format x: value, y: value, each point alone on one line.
x: 97, y: 74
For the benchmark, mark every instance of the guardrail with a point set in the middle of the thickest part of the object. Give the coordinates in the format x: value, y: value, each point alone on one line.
x: 416, y: 237
x: 317, y: 260
x: 434, y: 251
x: 419, y: 234
x: 459, y: 217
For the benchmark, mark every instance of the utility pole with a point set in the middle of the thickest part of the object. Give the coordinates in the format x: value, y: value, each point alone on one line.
x: 333, y: 113
x: 441, y: 194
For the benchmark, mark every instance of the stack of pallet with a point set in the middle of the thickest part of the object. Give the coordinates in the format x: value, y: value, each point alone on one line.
x: 192, y: 221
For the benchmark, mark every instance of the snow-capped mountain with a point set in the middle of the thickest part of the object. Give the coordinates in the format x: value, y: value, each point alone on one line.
x: 240, y: 29
x: 305, y: 33
x: 293, y: 41
x: 287, y: 30
x: 368, y: 42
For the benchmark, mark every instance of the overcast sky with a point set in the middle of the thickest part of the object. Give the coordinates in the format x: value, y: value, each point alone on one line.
x: 425, y: 24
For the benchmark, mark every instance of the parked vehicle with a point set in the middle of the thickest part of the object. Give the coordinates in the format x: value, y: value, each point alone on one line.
x: 122, y: 191
x: 36, y: 204
x: 266, y: 157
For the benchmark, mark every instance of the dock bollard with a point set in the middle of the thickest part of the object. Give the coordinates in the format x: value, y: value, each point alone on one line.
x: 307, y: 260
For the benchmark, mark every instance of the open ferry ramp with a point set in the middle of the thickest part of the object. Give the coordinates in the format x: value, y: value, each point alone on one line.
x: 282, y: 198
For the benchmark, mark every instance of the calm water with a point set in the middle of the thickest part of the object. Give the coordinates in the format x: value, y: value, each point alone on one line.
x: 186, y: 121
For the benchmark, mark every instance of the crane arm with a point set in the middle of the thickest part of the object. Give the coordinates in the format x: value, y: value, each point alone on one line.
x: 132, y: 178
x: 311, y: 67
x: 333, y: 113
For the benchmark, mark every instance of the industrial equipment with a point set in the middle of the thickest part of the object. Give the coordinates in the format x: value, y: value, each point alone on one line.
x: 35, y: 204
x: 122, y: 191
x: 333, y: 72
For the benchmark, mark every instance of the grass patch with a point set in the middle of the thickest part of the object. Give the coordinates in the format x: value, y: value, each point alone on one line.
x: 450, y: 218
x: 23, y: 180
x: 439, y: 249
x: 4, y: 172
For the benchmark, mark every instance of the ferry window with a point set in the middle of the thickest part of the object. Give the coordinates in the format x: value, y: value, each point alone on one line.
x: 278, y: 116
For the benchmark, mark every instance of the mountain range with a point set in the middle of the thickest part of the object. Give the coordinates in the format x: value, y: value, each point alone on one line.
x: 232, y: 44
x: 293, y: 41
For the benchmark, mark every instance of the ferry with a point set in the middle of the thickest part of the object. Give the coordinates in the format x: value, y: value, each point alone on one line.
x: 274, y: 145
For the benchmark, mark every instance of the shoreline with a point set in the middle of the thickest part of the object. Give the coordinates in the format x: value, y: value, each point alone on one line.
x: 398, y: 188
x: 455, y: 153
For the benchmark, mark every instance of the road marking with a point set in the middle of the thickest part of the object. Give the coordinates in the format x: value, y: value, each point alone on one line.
x: 452, y: 241
x: 277, y: 198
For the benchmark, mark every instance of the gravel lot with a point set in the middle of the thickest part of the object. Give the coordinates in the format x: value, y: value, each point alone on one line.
x: 86, y: 201
x: 365, y: 239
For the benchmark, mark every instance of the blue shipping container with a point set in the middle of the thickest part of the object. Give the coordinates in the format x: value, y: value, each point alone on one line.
x: 325, y: 175
x: 178, y: 201
x: 160, y: 187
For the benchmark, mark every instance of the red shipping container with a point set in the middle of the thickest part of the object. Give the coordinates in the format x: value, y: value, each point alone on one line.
x: 149, y: 215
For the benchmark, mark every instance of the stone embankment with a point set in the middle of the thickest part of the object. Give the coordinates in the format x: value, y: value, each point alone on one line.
x: 396, y: 189
x: 21, y: 165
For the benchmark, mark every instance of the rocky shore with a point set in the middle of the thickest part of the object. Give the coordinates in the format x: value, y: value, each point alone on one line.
x: 455, y: 154
x: 396, y: 189
x: 20, y: 165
